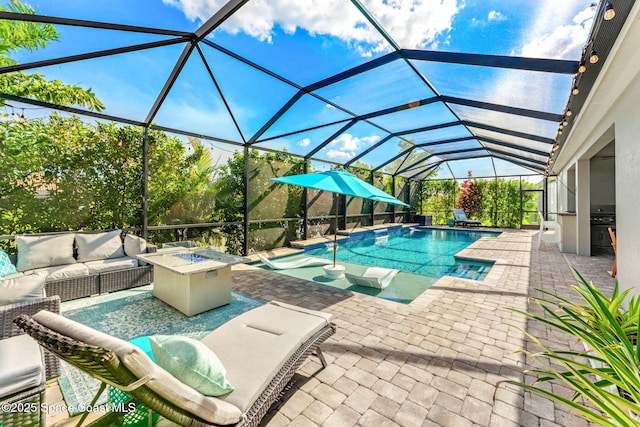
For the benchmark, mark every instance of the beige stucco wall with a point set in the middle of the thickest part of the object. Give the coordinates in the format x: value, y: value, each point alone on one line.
x: 612, y: 112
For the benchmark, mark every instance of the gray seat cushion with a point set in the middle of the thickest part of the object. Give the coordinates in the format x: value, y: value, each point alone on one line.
x: 253, y: 347
x: 21, y: 365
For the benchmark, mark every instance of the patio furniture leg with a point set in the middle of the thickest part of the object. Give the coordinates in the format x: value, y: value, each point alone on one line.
x: 92, y: 404
x: 321, y: 357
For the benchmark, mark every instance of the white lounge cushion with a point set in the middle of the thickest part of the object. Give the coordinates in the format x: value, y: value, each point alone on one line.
x: 134, y: 245
x: 274, y: 331
x: 19, y: 288
x: 211, y: 409
x: 102, y: 266
x: 59, y: 272
x: 98, y: 246
x: 44, y: 251
x: 21, y: 365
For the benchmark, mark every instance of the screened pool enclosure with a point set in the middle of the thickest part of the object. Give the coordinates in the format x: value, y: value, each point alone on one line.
x: 201, y: 102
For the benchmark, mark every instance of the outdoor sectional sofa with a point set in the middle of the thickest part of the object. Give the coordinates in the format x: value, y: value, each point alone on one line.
x: 78, y: 265
x: 259, y: 352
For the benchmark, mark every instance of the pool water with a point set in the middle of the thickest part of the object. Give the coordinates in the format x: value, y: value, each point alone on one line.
x: 421, y: 255
x: 427, y: 252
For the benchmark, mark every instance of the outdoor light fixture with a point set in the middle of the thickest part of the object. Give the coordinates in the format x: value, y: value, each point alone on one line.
x: 555, y: 148
x: 582, y: 68
x: 609, y: 12
x: 575, y: 90
x: 569, y: 113
x: 565, y: 122
x: 593, y: 57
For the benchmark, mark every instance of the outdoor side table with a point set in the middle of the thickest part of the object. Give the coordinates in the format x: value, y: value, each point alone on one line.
x: 193, y: 280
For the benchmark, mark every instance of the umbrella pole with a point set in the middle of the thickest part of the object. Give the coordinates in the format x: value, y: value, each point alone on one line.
x: 335, y: 231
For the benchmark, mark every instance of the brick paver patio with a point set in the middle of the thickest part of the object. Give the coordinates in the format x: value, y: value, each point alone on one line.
x: 436, y: 361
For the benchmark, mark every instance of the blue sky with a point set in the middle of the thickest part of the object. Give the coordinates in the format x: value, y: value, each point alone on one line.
x: 308, y: 40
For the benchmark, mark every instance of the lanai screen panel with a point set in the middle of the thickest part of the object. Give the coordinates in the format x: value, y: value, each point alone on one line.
x: 301, y: 143
x: 351, y: 142
x: 300, y: 40
x: 250, y: 78
x: 412, y: 117
x: 308, y: 112
x: 514, y: 88
x: 383, y: 87
x: 518, y: 28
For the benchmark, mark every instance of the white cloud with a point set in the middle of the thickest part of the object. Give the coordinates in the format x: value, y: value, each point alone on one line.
x: 561, y: 41
x: 304, y: 143
x: 494, y: 15
x: 412, y: 24
x: 347, y: 145
x: 544, y: 39
x: 340, y: 155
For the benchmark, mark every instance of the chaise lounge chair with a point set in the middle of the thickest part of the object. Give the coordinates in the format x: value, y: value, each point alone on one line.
x: 302, y: 262
x: 373, y: 277
x: 260, y: 350
x: 461, y: 219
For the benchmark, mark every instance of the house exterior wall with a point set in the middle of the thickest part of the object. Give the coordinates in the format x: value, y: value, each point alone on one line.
x: 612, y: 113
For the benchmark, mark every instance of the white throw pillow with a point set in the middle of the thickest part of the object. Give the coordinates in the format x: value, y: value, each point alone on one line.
x: 44, y: 251
x: 134, y: 245
x: 19, y: 288
x: 96, y: 246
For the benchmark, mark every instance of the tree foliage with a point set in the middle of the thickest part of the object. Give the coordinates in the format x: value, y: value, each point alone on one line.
x: 30, y: 36
x: 62, y: 174
x: 267, y: 200
x: 437, y: 199
x: 501, y: 200
x: 470, y: 198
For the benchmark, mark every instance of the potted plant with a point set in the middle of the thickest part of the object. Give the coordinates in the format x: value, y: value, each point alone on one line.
x: 606, y: 374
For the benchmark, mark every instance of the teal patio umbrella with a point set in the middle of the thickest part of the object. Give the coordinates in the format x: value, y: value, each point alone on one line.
x: 339, y: 181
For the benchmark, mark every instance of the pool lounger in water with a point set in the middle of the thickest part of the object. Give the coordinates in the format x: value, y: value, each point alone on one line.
x: 373, y: 277
x: 302, y: 262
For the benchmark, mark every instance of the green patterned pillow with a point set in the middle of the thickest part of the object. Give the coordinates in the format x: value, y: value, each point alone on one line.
x: 191, y: 362
x: 6, y: 267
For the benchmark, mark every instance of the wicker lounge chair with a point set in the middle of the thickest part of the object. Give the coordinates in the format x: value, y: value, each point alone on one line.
x: 261, y: 350
x: 461, y: 219
x: 302, y: 262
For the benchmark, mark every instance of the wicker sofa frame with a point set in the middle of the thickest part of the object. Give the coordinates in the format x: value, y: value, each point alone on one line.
x: 30, y: 307
x: 84, y: 286
x: 105, y: 366
x: 93, y: 284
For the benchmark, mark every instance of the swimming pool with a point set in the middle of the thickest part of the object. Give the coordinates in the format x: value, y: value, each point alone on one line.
x: 422, y: 255
x: 427, y: 252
